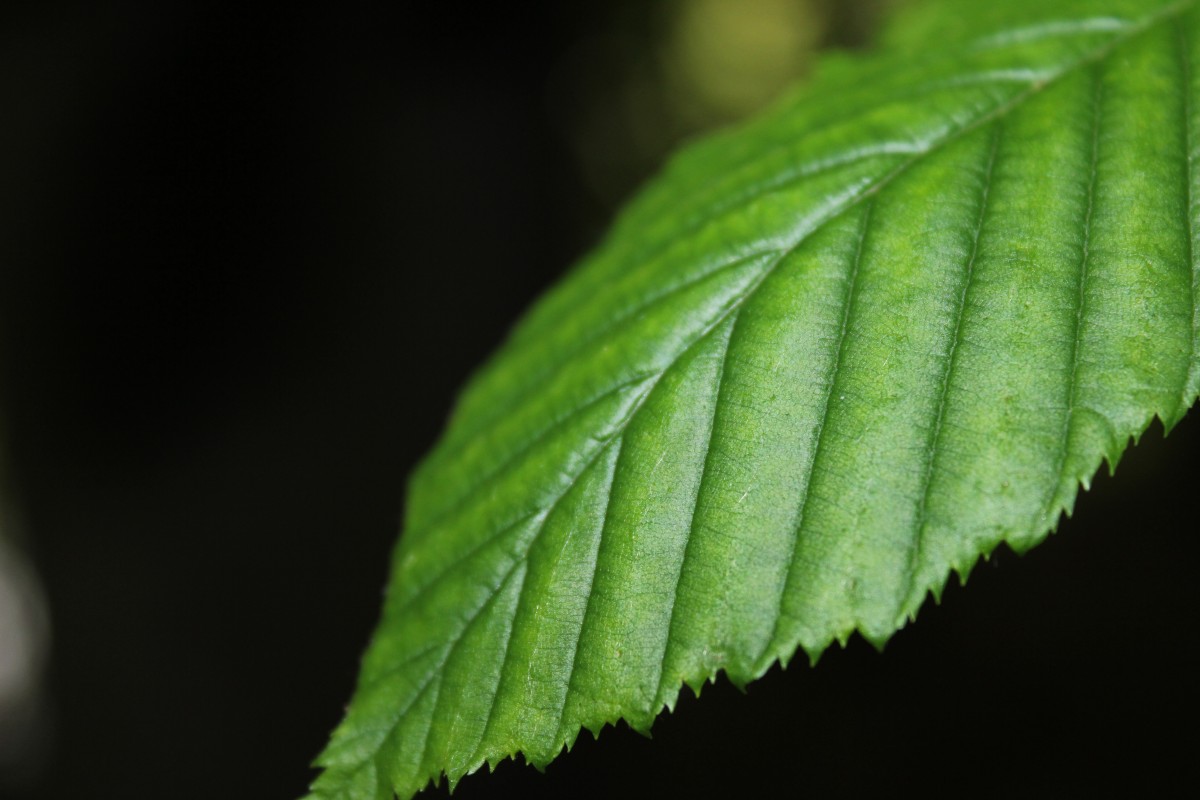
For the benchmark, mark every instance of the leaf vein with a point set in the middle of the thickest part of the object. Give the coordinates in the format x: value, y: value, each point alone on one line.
x: 455, y: 505
x: 610, y: 326
x: 1072, y: 402
x: 587, y: 609
x: 933, y: 448
x: 687, y: 545
x: 835, y: 373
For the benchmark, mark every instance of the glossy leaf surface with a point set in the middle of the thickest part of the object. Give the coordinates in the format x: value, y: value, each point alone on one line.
x: 820, y: 363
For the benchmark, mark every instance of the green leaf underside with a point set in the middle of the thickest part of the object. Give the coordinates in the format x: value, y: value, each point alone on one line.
x: 821, y: 362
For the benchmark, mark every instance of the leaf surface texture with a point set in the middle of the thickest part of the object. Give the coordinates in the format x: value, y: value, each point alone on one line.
x: 821, y: 362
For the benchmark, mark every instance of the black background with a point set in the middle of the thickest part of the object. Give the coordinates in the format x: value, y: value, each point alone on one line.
x: 247, y: 259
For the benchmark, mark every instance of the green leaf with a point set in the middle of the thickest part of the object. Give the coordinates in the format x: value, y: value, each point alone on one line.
x: 821, y: 362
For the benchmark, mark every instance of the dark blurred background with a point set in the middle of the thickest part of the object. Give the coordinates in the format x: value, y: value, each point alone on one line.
x: 246, y: 260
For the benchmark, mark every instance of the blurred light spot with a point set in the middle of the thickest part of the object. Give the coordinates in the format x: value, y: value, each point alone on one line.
x: 24, y: 634
x: 649, y: 76
x: 726, y: 58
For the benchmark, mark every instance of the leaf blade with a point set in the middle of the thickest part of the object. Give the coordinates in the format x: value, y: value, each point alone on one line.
x: 861, y: 366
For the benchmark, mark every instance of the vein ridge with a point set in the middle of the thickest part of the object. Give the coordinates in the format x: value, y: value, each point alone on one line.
x: 1081, y: 301
x: 834, y: 374
x: 704, y: 476
x: 933, y: 449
